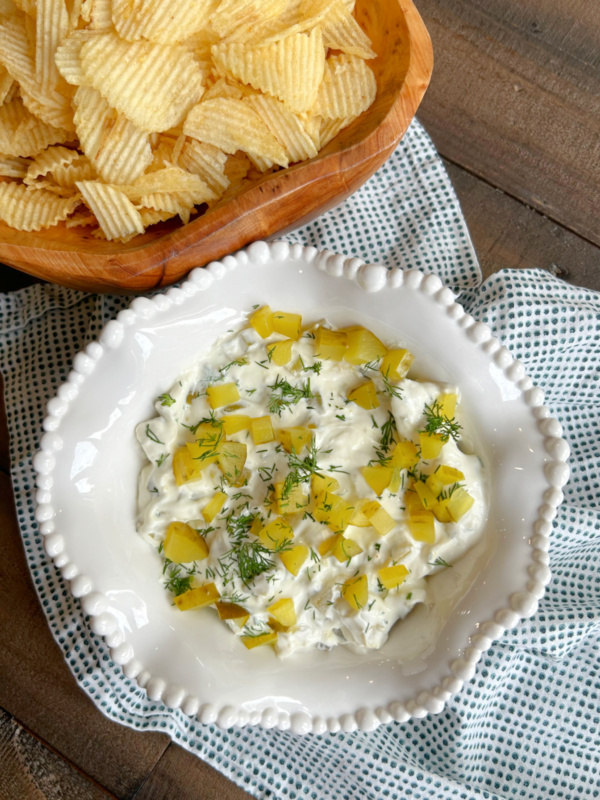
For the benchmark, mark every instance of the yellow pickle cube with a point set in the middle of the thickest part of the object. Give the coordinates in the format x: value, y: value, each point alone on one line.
x: 426, y: 496
x: 231, y: 459
x: 363, y: 346
x: 459, y: 503
x: 290, y: 502
x: 257, y: 641
x: 323, y: 483
x: 333, y: 511
x: 396, y: 363
x: 280, y: 353
x: 262, y: 321
x: 422, y: 527
x: 330, y: 345
x: 283, y: 612
x: 392, y: 577
x: 365, y: 396
x: 379, y: 518
x: 286, y: 324
x: 431, y: 445
x: 212, y: 508
x: 328, y: 545
x: 345, y: 549
x: 355, y: 592
x: 261, y: 429
x: 295, y: 439
x: 447, y: 404
x: 232, y: 611
x: 234, y: 423
x: 185, y: 468
x: 405, y: 455
x: 276, y: 534
x: 197, y: 598
x: 184, y: 544
x: 294, y: 558
x: 378, y: 477
x: 225, y: 394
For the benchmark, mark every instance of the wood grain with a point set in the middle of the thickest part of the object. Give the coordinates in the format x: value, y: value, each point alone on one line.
x: 274, y: 204
x: 181, y: 775
x: 507, y: 234
x: 38, y: 689
x: 515, y: 99
x: 31, y: 771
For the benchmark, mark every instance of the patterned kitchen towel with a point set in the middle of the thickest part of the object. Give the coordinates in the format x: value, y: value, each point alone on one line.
x: 527, y: 726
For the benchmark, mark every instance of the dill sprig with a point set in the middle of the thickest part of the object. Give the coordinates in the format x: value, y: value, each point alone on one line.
x: 212, y: 420
x: 152, y: 436
x: 388, y: 431
x: 176, y: 582
x: 440, y: 562
x: 388, y: 386
x: 236, y: 363
x: 284, y: 395
x: 166, y: 399
x: 437, y: 422
x: 448, y: 491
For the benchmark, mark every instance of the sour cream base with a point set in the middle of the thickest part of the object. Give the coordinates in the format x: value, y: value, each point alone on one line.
x: 346, y: 437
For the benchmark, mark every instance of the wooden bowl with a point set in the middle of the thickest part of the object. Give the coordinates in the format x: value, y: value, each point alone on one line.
x: 275, y: 204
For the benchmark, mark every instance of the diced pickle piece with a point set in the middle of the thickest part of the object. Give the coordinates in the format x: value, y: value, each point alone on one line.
x: 333, y: 511
x: 378, y: 477
x: 363, y: 346
x: 355, y: 592
x: 232, y: 611
x: 231, y: 460
x: 447, y: 404
x: 412, y: 502
x: 422, y: 527
x: 286, y: 324
x: 197, y: 598
x: 184, y: 544
x: 233, y: 423
x: 291, y: 502
x: 262, y: 321
x: 274, y: 535
x: 295, y: 439
x: 345, y: 549
x: 440, y: 510
x: 396, y: 482
x: 284, y: 612
x: 379, y: 518
x: 224, y: 394
x: 212, y: 508
x: 330, y: 345
x: 185, y: 469
x: 327, y: 546
x: 365, y: 396
x: 261, y: 429
x: 431, y: 445
x: 460, y: 502
x: 391, y: 577
x: 395, y: 364
x: 256, y: 641
x: 323, y: 483
x: 426, y: 496
x: 447, y: 475
x: 358, y: 517
x: 280, y: 353
x: 405, y: 455
x: 294, y: 558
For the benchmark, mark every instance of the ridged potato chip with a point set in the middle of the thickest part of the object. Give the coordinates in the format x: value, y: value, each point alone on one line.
x: 68, y: 56
x: 29, y: 209
x: 285, y: 126
x: 244, y: 14
x: 6, y: 82
x: 206, y: 161
x: 168, y: 180
x: 119, y: 151
x: 348, y: 88
x: 22, y: 134
x: 13, y: 167
x: 233, y: 125
x: 154, y: 85
x: 49, y: 160
x: 290, y: 69
x: 52, y: 26
x: 342, y: 32
x: 116, y: 214
x: 163, y: 21
x: 100, y: 14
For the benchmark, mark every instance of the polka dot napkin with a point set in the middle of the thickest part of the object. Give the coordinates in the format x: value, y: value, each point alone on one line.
x: 527, y: 725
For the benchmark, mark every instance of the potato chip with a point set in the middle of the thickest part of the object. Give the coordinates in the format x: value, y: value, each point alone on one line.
x: 7, y: 7
x: 52, y: 26
x: 330, y: 128
x: 151, y: 216
x: 6, y: 82
x: 348, y: 88
x: 163, y: 21
x: 233, y: 14
x: 154, y: 85
x: 222, y: 88
x: 116, y: 214
x: 28, y: 6
x: 290, y: 69
x: 285, y: 126
x: 166, y: 181
x: 33, y: 209
x: 82, y: 216
x: 13, y: 167
x: 300, y: 16
x: 22, y: 134
x: 101, y: 15
x: 232, y: 125
x: 64, y: 166
x: 206, y: 161
x: 182, y: 204
x: 119, y: 151
x: 49, y: 160
x: 342, y: 32
x: 68, y: 56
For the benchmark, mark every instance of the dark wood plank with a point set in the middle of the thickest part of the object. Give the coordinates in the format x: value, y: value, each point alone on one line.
x: 506, y: 233
x: 181, y: 775
x: 38, y: 689
x: 515, y: 99
x: 31, y: 771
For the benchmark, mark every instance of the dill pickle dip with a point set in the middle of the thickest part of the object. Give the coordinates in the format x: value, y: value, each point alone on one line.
x: 303, y: 486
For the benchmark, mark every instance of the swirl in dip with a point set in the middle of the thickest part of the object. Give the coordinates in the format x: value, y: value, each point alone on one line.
x: 303, y: 486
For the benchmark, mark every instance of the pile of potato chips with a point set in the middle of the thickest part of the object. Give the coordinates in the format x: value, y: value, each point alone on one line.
x: 119, y: 114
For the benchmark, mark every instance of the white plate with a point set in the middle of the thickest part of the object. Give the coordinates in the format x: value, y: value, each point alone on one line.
x: 89, y: 465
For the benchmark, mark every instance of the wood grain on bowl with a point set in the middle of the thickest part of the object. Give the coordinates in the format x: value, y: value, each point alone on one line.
x: 276, y: 203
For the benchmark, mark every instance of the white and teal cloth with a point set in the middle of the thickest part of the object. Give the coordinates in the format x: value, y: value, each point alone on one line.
x: 528, y: 724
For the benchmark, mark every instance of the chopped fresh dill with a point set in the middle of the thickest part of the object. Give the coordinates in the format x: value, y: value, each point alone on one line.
x: 341, y: 416
x: 409, y: 595
x: 388, y: 386
x: 261, y: 364
x: 388, y: 430
x: 176, y: 582
x: 160, y: 460
x: 440, y: 562
x: 237, y: 363
x: 284, y: 395
x: 448, y: 491
x: 166, y: 399
x: 437, y: 422
x: 152, y: 436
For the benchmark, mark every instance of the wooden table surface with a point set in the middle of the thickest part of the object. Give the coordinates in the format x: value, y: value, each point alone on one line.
x: 514, y: 110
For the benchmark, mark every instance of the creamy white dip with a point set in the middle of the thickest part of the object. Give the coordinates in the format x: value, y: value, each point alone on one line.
x: 346, y: 438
